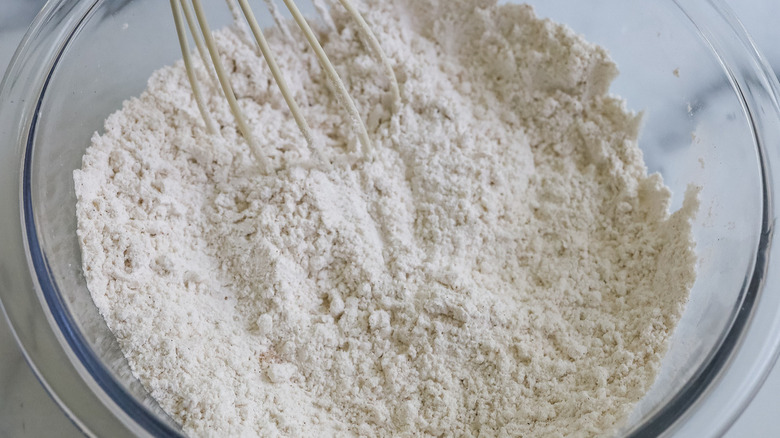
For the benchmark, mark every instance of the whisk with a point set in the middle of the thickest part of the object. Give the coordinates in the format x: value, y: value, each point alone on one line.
x: 198, y: 26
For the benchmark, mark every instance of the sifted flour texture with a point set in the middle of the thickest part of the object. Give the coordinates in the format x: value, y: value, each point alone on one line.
x: 499, y: 264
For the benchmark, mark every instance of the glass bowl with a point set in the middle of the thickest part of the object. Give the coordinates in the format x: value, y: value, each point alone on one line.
x: 711, y: 118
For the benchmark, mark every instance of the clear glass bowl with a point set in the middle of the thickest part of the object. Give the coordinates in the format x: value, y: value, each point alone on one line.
x: 712, y: 119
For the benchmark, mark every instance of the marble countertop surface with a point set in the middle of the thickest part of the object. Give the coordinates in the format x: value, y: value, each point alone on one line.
x: 27, y: 411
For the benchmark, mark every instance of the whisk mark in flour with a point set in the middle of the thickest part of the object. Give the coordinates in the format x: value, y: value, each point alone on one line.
x: 502, y: 266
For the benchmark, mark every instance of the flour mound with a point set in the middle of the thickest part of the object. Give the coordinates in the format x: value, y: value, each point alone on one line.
x: 500, y: 265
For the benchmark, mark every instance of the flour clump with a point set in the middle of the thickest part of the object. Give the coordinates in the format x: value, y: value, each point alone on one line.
x: 501, y: 263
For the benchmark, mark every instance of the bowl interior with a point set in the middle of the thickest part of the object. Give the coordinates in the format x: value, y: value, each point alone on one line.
x: 696, y: 131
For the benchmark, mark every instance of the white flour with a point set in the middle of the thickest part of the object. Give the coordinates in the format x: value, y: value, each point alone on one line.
x: 501, y: 266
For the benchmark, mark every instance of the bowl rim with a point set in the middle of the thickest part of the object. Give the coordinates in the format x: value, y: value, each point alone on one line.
x: 36, y: 60
x: 99, y: 405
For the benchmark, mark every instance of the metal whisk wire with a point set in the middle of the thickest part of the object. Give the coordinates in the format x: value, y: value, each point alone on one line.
x: 201, y: 33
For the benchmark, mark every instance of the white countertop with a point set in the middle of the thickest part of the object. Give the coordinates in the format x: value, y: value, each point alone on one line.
x: 27, y: 411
